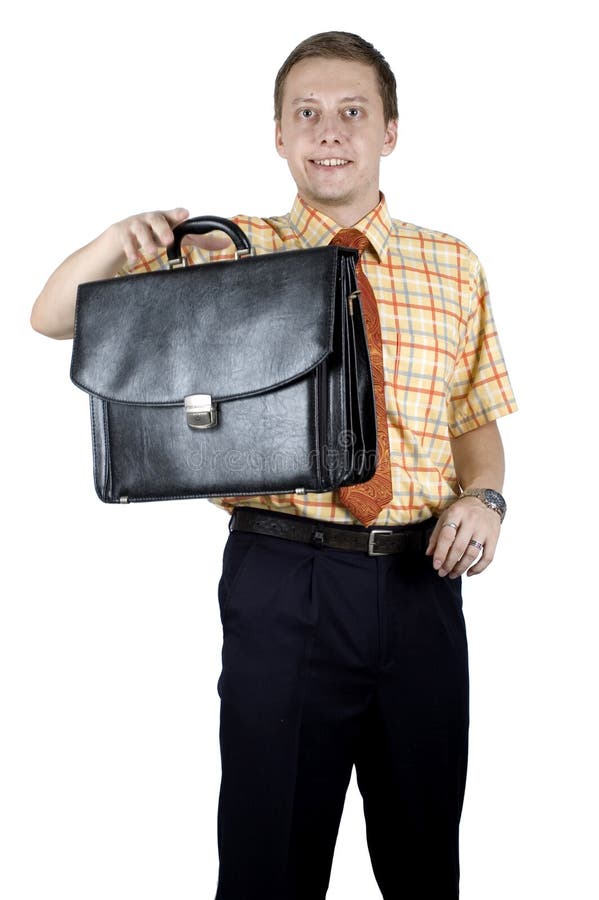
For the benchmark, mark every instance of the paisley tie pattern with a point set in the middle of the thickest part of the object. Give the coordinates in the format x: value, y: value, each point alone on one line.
x: 365, y: 501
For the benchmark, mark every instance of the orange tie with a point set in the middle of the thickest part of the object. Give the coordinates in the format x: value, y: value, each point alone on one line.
x: 366, y: 500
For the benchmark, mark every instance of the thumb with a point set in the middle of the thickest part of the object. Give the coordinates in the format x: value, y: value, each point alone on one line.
x: 432, y: 541
x: 213, y: 240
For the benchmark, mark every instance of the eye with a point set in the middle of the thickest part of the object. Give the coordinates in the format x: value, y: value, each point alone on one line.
x: 306, y: 113
x: 352, y: 112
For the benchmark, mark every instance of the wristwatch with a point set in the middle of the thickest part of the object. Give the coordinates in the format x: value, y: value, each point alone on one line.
x: 490, y: 498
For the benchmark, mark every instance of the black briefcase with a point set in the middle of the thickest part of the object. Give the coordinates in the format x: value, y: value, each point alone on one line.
x: 239, y: 377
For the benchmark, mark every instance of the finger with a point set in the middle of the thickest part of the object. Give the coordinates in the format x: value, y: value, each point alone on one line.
x: 469, y: 556
x: 160, y: 228
x: 176, y: 215
x: 457, y: 552
x: 444, y: 545
x: 214, y: 240
x: 485, y: 560
x: 131, y: 249
x: 443, y: 549
x: 433, y: 538
x: 144, y: 236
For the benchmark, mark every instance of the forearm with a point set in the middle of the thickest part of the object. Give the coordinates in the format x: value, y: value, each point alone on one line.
x: 479, y: 459
x: 53, y: 312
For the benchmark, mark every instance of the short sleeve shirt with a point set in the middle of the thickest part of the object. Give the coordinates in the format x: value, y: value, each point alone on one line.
x: 444, y: 369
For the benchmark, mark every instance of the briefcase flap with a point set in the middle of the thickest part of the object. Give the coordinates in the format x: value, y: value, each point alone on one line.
x: 228, y: 329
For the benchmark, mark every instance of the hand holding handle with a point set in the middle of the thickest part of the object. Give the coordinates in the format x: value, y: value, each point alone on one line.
x: 204, y: 224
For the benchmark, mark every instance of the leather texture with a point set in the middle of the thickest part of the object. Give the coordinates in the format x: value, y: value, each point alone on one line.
x: 374, y: 541
x: 272, y: 340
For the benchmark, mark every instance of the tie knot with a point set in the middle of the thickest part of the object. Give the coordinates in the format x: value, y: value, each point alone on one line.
x: 351, y: 237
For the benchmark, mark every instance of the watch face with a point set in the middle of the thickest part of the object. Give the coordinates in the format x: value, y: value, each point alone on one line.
x: 495, y: 501
x: 492, y: 499
x: 495, y: 498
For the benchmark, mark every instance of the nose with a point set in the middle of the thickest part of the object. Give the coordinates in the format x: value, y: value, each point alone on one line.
x: 331, y: 130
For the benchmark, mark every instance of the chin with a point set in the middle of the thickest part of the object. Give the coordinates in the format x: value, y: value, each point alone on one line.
x: 332, y: 197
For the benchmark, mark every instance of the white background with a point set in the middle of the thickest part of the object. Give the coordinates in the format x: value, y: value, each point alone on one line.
x: 110, y: 636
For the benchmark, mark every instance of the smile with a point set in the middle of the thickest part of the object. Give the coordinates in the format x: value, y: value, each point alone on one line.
x: 331, y: 162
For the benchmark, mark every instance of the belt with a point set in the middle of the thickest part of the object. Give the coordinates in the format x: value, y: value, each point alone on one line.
x: 373, y: 541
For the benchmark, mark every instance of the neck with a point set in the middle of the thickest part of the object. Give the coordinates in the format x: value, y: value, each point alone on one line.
x: 345, y: 214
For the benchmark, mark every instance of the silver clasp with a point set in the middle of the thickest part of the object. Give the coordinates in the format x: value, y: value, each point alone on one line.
x: 180, y: 262
x: 200, y: 411
x: 350, y: 299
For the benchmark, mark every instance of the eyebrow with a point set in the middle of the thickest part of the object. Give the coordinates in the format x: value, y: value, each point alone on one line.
x: 358, y: 99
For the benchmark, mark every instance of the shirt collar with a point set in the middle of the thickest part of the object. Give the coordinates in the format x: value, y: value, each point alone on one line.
x: 315, y: 229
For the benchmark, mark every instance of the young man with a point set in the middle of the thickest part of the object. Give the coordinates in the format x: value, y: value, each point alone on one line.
x: 344, y: 638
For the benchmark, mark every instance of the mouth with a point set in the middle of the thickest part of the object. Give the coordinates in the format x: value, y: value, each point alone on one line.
x: 333, y: 162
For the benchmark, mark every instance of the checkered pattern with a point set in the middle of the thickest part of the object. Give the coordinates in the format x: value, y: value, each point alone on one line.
x: 443, y: 365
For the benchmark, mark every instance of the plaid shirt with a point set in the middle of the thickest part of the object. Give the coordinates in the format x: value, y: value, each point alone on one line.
x: 444, y: 369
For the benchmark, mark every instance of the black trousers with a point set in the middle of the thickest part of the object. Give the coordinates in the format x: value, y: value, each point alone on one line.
x: 330, y: 659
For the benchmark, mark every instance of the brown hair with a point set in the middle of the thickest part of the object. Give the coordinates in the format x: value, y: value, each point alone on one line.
x: 341, y: 45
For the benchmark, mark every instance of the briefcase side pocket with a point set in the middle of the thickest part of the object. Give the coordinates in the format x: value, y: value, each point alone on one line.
x: 359, y: 385
x: 100, y: 448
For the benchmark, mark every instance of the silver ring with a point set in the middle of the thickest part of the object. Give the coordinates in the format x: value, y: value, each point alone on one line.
x: 477, y: 544
x: 451, y: 525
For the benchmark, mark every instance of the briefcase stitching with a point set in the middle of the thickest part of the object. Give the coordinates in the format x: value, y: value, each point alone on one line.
x: 94, y: 446
x: 107, y: 459
x: 317, y: 419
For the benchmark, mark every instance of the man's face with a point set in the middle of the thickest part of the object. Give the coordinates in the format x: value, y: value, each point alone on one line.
x: 333, y: 132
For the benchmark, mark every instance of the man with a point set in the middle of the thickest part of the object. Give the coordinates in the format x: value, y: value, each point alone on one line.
x: 344, y: 637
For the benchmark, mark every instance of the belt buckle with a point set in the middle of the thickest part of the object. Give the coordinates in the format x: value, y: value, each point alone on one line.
x: 371, y: 550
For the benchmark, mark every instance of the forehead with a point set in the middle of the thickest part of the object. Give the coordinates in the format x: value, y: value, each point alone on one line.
x: 327, y: 80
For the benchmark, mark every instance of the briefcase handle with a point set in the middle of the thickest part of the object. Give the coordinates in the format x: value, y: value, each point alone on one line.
x: 202, y: 225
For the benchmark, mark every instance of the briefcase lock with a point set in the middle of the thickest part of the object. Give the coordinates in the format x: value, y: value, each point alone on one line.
x: 201, y: 411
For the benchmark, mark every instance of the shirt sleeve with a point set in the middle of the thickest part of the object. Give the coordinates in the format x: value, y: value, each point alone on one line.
x: 194, y: 256
x: 144, y: 264
x: 480, y: 391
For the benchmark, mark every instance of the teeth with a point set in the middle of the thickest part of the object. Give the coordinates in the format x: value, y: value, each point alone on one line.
x: 331, y: 162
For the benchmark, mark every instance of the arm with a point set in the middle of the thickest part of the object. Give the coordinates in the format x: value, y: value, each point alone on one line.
x: 479, y: 462
x: 53, y: 312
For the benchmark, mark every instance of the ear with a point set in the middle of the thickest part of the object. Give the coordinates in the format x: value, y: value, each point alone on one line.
x: 279, y: 144
x: 390, y: 137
